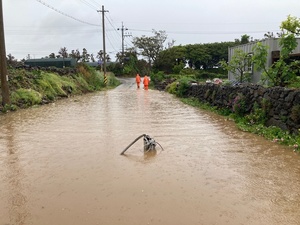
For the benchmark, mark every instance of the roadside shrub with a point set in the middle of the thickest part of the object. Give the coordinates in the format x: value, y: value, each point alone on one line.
x: 26, y: 97
x: 183, y: 86
x: 8, y: 107
x: 81, y: 83
x: 172, y: 88
x: 112, y: 81
x: 158, y: 77
x: 257, y: 116
x: 178, y: 68
x: 239, y: 105
x: 295, y: 83
x: 188, y: 71
x: 91, y: 76
x: 50, y: 85
x: 69, y: 86
x: 203, y: 75
x: 96, y: 80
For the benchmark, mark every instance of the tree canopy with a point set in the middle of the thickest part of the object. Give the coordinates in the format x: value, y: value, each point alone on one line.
x: 284, y: 70
x: 150, y: 47
x: 239, y: 65
x: 196, y: 56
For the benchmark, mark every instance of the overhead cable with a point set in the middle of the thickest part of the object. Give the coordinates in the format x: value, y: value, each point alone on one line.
x: 64, y: 14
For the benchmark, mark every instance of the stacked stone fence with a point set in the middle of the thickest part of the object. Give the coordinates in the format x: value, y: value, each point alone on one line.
x: 282, y: 105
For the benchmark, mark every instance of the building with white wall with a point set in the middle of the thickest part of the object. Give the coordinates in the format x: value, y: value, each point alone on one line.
x: 273, y: 55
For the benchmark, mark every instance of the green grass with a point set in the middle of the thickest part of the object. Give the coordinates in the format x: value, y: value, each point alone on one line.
x: 26, y: 97
x: 28, y: 88
x: 271, y: 133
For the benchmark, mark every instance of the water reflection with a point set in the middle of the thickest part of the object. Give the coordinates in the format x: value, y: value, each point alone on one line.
x: 17, y: 199
x: 149, y: 155
x: 141, y: 156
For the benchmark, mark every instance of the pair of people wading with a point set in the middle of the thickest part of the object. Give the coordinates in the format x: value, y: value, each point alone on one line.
x: 146, y: 81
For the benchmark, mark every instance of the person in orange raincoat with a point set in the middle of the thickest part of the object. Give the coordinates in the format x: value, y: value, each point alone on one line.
x: 138, y: 80
x: 146, y: 82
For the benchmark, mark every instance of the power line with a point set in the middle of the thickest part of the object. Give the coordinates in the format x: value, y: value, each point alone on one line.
x: 112, y: 33
x: 111, y: 44
x: 120, y: 36
x: 64, y: 14
x: 88, y: 4
x: 204, y: 32
x: 95, y: 3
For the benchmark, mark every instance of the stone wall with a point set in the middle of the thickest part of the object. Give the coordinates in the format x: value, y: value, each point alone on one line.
x: 282, y: 105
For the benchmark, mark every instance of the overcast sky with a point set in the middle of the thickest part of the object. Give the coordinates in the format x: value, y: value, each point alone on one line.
x: 33, y: 28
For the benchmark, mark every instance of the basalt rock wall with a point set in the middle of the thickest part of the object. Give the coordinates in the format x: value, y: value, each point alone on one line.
x: 282, y: 105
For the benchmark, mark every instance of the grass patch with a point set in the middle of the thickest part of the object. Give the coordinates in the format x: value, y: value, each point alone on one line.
x: 32, y: 87
x: 252, y: 123
x: 26, y: 97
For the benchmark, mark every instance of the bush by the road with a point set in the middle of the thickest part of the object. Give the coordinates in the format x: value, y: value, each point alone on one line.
x: 37, y: 86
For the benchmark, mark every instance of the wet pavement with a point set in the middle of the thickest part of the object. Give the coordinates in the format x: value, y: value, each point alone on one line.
x: 61, y: 164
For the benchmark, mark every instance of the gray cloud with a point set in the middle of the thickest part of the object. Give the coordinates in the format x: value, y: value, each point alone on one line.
x: 35, y: 29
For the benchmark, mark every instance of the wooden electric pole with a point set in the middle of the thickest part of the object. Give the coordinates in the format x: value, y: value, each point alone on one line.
x: 104, y: 51
x: 3, y: 63
x: 123, y: 37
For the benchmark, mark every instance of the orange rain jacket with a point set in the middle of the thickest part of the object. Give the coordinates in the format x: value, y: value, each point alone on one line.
x: 138, y: 78
x: 146, y: 81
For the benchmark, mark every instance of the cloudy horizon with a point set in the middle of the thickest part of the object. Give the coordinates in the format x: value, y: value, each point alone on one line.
x: 41, y: 27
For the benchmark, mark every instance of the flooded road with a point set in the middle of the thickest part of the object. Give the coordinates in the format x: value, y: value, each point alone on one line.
x: 61, y: 164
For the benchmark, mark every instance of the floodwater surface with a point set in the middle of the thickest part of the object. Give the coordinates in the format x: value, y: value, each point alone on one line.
x: 61, y: 164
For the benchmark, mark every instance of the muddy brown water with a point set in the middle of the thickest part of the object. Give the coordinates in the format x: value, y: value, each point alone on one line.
x: 61, y: 164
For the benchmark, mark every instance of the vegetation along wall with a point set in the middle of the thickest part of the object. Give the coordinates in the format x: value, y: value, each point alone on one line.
x: 276, y: 106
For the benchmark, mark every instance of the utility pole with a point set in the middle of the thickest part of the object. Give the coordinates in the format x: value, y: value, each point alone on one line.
x: 122, y: 32
x: 123, y: 37
x: 3, y: 63
x: 104, y: 52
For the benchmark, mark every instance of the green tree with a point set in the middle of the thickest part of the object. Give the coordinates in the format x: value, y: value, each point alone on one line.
x: 63, y: 52
x: 85, y: 57
x: 217, y: 52
x: 197, y: 56
x: 245, y: 39
x: 100, y: 56
x: 207, y: 56
x: 283, y: 71
x: 11, y: 60
x: 170, y: 58
x: 52, y: 55
x: 75, y: 54
x: 150, y: 47
x: 239, y: 65
x: 129, y: 61
x: 291, y: 25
